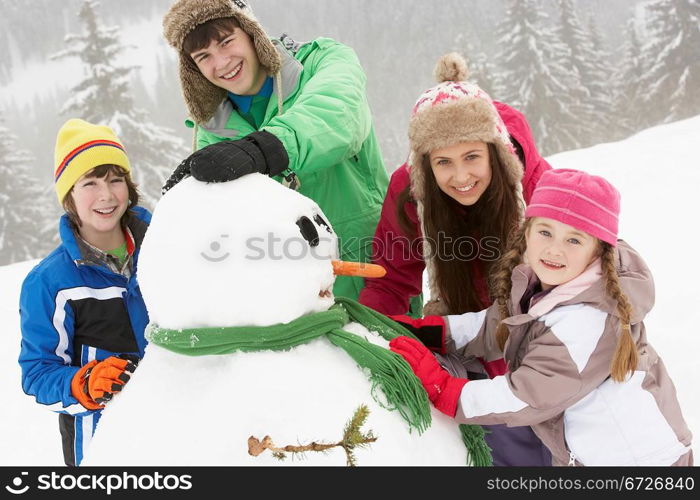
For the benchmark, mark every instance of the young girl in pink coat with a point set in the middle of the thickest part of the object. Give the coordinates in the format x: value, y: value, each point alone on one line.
x: 570, y: 299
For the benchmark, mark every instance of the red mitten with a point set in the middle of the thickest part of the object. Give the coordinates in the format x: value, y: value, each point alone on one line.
x: 429, y: 330
x: 443, y: 389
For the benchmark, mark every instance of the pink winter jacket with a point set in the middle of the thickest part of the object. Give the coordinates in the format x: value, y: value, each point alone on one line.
x: 559, y: 356
x: 399, y: 254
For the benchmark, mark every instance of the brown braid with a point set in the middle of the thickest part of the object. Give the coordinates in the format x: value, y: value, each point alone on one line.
x: 501, y: 277
x: 626, y: 357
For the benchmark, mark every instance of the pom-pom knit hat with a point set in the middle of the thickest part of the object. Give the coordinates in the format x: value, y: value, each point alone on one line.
x: 587, y: 202
x: 201, y: 96
x: 82, y: 146
x: 457, y: 111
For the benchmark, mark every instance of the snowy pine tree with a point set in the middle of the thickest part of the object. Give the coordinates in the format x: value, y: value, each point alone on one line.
x: 671, y: 86
x: 578, y: 58
x: 535, y: 78
x: 481, y: 69
x: 600, y: 82
x: 103, y: 96
x: 25, y: 208
x: 628, y: 106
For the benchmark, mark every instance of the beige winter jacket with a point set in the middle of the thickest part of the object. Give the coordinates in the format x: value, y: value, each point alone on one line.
x: 559, y: 383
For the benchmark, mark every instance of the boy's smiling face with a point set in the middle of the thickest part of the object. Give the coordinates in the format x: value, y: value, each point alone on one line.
x: 100, y: 204
x: 232, y: 63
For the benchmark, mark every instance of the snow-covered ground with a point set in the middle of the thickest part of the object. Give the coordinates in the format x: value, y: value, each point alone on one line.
x: 31, y: 436
x: 655, y: 172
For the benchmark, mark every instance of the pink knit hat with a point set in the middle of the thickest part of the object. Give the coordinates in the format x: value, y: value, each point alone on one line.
x: 587, y: 202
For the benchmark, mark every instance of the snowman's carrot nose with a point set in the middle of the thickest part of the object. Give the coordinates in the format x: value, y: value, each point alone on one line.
x: 361, y: 269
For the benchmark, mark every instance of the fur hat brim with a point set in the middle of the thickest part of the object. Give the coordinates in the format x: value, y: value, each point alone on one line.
x: 465, y: 120
x: 201, y: 96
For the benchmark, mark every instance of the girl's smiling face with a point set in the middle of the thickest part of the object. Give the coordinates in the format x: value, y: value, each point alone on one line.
x: 557, y: 252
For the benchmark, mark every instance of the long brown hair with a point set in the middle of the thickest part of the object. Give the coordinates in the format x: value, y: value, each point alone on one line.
x: 495, y: 215
x: 500, y: 279
x: 625, y: 358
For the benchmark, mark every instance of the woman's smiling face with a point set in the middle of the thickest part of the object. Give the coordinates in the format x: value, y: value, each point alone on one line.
x: 462, y: 171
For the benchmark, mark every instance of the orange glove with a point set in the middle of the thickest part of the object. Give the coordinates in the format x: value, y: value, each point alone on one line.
x: 97, y: 382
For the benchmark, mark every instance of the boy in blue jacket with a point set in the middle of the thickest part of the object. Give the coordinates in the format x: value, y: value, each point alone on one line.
x: 82, y: 314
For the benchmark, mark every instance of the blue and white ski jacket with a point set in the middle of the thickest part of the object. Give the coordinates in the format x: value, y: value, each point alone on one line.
x: 75, y: 308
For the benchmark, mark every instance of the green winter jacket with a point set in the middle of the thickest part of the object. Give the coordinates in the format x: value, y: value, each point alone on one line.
x: 326, y: 128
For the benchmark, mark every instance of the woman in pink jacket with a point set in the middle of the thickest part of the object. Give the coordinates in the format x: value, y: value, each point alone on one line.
x: 457, y: 285
x: 473, y: 165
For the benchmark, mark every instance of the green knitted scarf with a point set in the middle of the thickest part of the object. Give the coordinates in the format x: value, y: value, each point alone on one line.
x: 389, y: 371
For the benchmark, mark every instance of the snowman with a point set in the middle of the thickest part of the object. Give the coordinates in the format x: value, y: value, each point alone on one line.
x: 247, y: 342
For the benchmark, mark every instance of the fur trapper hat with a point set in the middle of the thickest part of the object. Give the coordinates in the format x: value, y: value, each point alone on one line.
x: 455, y: 111
x: 201, y: 96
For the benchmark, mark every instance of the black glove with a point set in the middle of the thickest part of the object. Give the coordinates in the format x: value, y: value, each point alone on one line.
x: 182, y: 171
x: 430, y: 330
x: 228, y: 160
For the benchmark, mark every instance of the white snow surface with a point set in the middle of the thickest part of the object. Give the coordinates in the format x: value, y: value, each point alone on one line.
x: 202, y: 410
x: 655, y: 173
x: 31, y: 436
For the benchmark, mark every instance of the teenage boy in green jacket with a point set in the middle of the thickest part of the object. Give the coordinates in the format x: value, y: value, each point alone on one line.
x: 296, y: 112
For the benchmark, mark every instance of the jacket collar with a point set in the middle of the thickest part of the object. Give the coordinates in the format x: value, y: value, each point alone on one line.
x: 81, y: 252
x: 244, y: 102
x: 524, y: 278
x: 569, y: 290
x: 588, y: 288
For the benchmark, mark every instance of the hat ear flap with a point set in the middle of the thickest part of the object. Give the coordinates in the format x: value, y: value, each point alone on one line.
x: 267, y: 54
x: 417, y: 176
x: 201, y: 96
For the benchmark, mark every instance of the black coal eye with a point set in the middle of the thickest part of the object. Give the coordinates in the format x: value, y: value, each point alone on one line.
x: 319, y: 220
x: 308, y: 230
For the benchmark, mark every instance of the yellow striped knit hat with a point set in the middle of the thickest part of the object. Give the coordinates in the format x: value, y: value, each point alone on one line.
x: 82, y: 146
